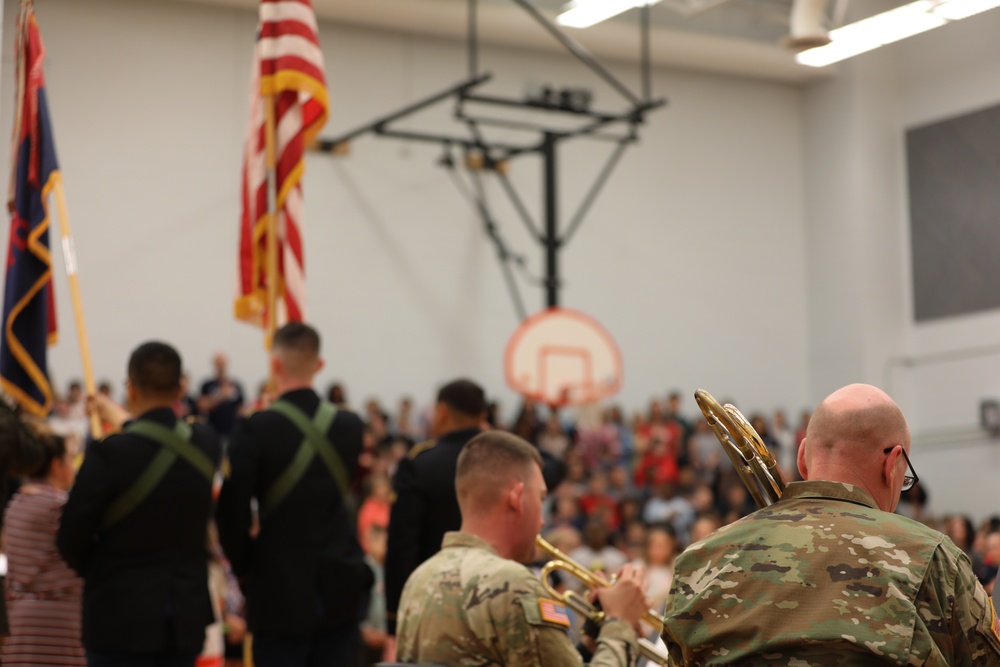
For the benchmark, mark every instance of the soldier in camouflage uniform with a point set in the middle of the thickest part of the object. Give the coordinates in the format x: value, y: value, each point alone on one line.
x: 474, y: 603
x: 827, y: 575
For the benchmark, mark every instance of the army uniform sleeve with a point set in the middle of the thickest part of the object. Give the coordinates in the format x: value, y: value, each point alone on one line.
x: 957, y: 612
x: 616, y: 645
x: 405, y: 522
x: 536, y: 633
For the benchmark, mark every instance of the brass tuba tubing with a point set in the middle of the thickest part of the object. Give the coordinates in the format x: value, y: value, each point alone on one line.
x: 753, y: 462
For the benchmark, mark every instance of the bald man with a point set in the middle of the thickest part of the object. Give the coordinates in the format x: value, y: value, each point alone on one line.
x: 475, y: 603
x: 828, y: 575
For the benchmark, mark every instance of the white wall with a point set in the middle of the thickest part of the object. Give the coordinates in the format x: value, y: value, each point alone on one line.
x: 861, y: 324
x: 693, y: 257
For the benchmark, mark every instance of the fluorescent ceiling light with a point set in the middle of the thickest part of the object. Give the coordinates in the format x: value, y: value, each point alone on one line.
x: 960, y: 9
x: 891, y: 26
x: 585, y: 13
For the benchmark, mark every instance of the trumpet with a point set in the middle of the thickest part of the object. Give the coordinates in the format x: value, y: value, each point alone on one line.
x: 753, y: 462
x: 585, y: 607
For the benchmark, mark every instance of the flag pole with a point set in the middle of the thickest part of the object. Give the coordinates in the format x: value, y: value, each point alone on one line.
x: 22, y: 18
x: 270, y: 157
x: 69, y: 258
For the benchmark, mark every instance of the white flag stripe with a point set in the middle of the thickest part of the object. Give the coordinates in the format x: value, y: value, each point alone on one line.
x: 271, y: 48
x: 295, y: 280
x: 289, y: 126
x: 294, y: 205
x: 273, y: 12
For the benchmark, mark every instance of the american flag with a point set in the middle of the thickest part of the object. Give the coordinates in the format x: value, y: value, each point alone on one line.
x: 553, y: 612
x: 288, y: 69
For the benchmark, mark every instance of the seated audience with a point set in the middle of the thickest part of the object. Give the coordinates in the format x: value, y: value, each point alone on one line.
x: 596, y: 553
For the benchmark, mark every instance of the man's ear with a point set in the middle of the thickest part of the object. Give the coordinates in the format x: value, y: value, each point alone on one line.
x: 319, y: 365
x: 516, y: 498
x: 801, y: 460
x: 131, y: 394
x: 889, y: 467
x: 440, y: 418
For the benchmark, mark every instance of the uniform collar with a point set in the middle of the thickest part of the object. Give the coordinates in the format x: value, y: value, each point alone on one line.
x: 299, y: 393
x: 162, y: 415
x: 831, y: 491
x: 456, y: 538
x: 462, y: 435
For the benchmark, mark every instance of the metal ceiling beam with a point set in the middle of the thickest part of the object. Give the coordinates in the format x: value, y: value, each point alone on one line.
x: 484, y: 155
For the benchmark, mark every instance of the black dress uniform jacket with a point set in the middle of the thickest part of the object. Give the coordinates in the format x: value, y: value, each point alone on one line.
x: 425, y: 508
x: 305, y: 570
x: 146, y: 576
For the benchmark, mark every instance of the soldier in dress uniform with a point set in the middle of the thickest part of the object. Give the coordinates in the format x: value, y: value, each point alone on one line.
x: 475, y: 603
x: 135, y: 523
x: 302, y: 571
x: 425, y: 506
x: 828, y: 575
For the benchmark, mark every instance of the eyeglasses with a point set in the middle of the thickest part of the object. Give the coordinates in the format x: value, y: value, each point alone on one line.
x: 908, y: 480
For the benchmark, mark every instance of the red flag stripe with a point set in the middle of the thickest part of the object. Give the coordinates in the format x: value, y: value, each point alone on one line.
x: 281, y: 28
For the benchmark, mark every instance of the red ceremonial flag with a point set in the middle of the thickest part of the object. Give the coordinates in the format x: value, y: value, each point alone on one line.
x: 288, y: 73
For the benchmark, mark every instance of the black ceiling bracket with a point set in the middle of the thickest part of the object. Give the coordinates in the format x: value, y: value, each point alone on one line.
x: 483, y: 156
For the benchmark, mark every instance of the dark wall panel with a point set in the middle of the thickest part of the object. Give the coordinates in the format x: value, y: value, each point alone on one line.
x: 954, y: 182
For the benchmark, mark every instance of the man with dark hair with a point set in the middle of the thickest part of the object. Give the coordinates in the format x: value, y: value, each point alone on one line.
x: 425, y: 506
x: 135, y: 523
x: 303, y: 573
x: 475, y: 603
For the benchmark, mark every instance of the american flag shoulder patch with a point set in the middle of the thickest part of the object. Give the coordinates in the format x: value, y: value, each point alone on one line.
x: 553, y: 612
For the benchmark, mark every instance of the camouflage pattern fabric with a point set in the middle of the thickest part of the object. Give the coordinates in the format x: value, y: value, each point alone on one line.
x: 823, y: 577
x: 468, y: 606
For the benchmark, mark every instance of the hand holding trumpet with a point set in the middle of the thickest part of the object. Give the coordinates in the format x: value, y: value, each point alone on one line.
x: 625, y: 598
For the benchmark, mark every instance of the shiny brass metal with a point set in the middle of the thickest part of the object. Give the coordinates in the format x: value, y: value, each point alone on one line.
x: 753, y: 462
x: 584, y: 607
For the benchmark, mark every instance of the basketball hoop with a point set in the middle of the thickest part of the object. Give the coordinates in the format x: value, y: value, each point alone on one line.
x: 562, y: 357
